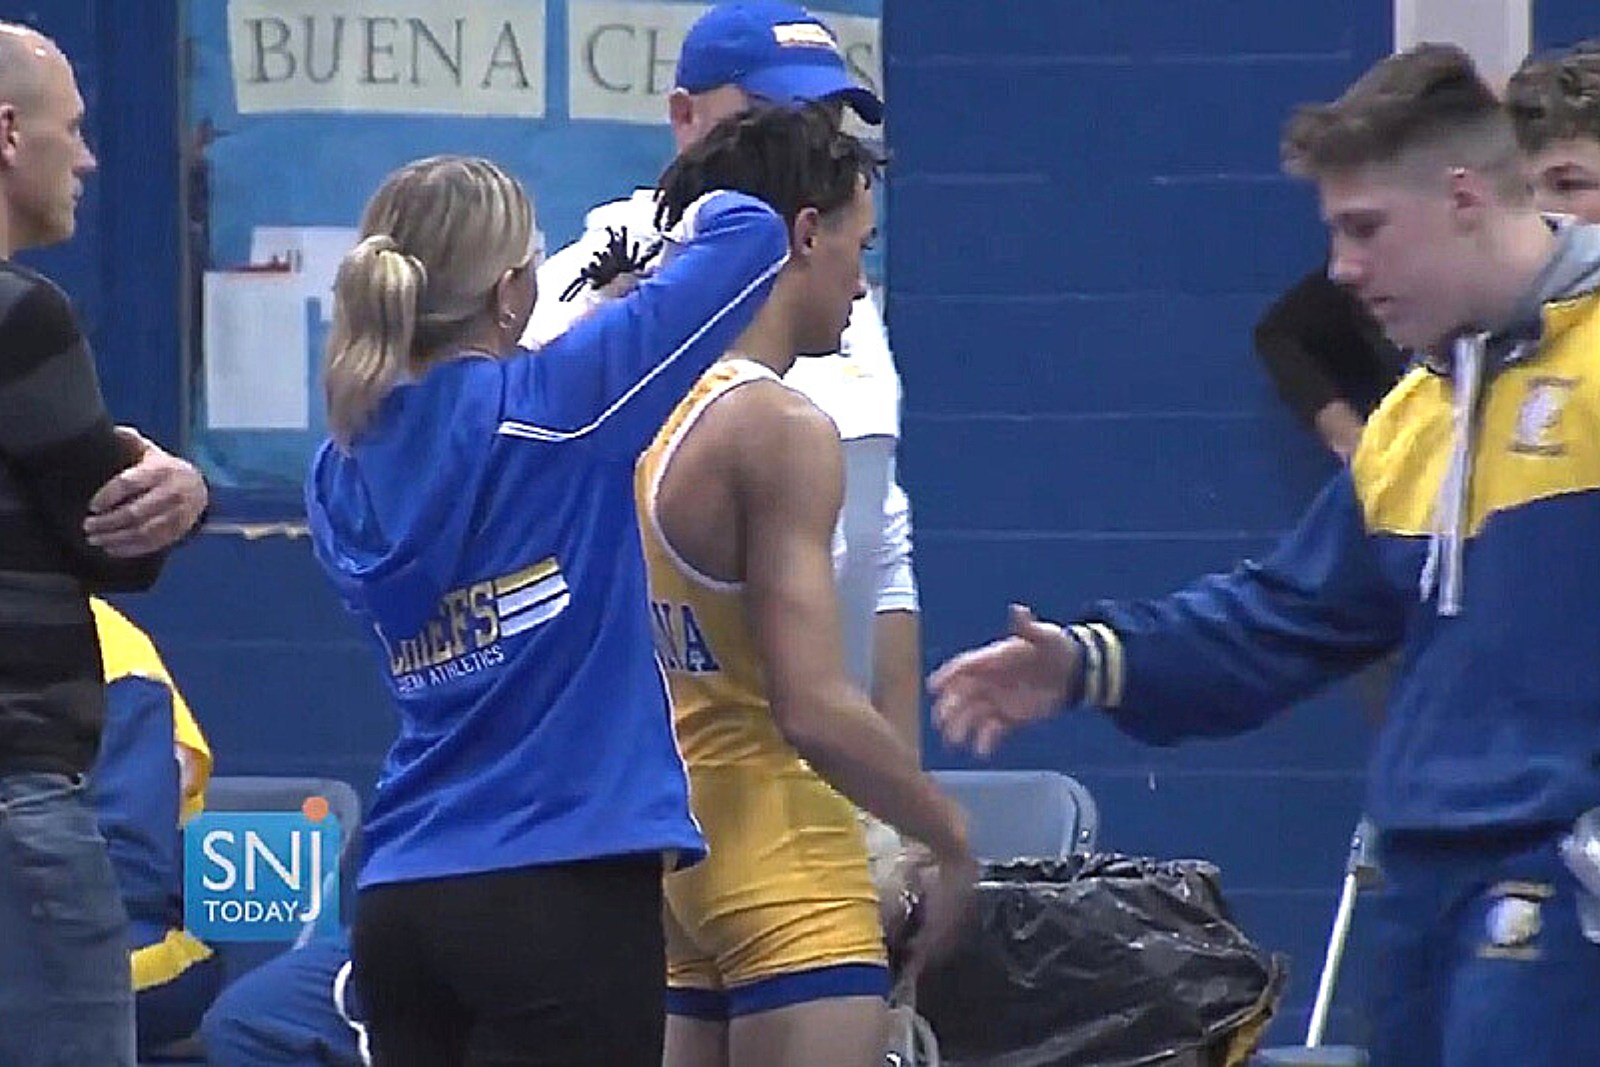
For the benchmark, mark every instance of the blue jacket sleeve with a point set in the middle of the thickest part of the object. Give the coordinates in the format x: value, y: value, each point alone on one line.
x: 137, y: 795
x: 614, y: 377
x: 1225, y: 654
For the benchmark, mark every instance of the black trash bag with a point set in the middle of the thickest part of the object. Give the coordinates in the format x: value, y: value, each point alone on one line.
x: 1103, y: 960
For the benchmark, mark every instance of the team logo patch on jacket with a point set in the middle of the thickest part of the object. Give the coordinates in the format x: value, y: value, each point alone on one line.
x: 1539, y: 421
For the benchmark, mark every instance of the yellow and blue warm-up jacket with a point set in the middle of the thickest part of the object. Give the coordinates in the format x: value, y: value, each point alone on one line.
x: 1466, y: 536
x: 141, y: 799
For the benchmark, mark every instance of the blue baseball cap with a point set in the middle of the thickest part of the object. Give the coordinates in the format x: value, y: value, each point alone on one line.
x: 775, y: 51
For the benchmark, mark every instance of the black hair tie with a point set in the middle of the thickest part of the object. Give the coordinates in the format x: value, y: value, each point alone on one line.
x: 617, y: 258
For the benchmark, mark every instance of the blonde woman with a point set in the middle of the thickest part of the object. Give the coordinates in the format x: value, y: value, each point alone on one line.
x: 475, y: 511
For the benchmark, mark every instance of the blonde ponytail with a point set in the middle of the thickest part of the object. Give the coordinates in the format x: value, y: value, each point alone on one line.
x: 376, y: 294
x: 437, y: 237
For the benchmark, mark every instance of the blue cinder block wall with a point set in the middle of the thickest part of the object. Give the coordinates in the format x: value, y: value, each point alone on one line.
x: 1086, y: 217
x: 1560, y: 23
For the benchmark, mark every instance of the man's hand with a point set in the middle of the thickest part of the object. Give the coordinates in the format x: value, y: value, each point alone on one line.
x: 948, y: 887
x: 189, y: 767
x: 943, y: 890
x: 148, y: 507
x: 1340, y: 428
x: 982, y: 695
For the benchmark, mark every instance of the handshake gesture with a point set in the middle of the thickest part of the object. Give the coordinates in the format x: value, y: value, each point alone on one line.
x: 982, y: 695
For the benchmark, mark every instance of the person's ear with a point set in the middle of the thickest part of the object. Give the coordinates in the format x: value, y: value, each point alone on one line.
x: 803, y: 234
x: 1470, y: 195
x: 10, y: 137
x: 680, y: 116
x: 507, y: 300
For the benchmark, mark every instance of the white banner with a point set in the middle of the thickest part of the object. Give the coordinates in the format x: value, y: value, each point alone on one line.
x: 621, y: 55
x: 442, y: 57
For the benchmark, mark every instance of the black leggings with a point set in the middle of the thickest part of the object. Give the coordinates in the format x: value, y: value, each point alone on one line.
x: 561, y: 966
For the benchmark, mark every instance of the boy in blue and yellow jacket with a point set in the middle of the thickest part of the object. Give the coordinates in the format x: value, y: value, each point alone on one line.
x: 1462, y: 536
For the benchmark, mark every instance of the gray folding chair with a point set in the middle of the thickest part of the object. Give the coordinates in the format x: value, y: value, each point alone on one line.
x: 1024, y: 814
x: 1011, y: 815
x: 274, y: 793
x: 270, y: 793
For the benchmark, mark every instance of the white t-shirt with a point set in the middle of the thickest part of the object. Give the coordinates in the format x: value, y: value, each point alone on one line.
x: 858, y: 388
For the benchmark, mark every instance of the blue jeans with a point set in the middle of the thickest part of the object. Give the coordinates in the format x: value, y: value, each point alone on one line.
x: 66, y: 988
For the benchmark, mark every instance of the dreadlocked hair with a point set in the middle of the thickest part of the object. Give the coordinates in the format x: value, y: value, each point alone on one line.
x: 790, y: 157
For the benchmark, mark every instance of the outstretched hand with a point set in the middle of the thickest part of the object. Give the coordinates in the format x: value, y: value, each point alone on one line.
x: 982, y: 695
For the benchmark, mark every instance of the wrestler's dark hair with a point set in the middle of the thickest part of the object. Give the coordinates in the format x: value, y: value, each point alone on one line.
x: 792, y: 157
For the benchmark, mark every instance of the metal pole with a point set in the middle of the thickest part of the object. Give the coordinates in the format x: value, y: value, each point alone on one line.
x: 1330, y: 963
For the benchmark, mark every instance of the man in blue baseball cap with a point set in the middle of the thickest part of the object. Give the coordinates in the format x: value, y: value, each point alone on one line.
x: 740, y: 53
x: 736, y: 56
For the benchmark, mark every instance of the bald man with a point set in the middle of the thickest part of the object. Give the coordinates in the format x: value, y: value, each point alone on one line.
x: 65, y: 986
x: 148, y: 505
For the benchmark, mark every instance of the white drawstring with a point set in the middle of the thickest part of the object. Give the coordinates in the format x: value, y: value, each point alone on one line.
x: 341, y: 981
x: 1447, y: 542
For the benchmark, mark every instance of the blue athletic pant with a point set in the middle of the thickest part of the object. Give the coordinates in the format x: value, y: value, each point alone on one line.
x: 283, y: 1014
x: 1481, y: 961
